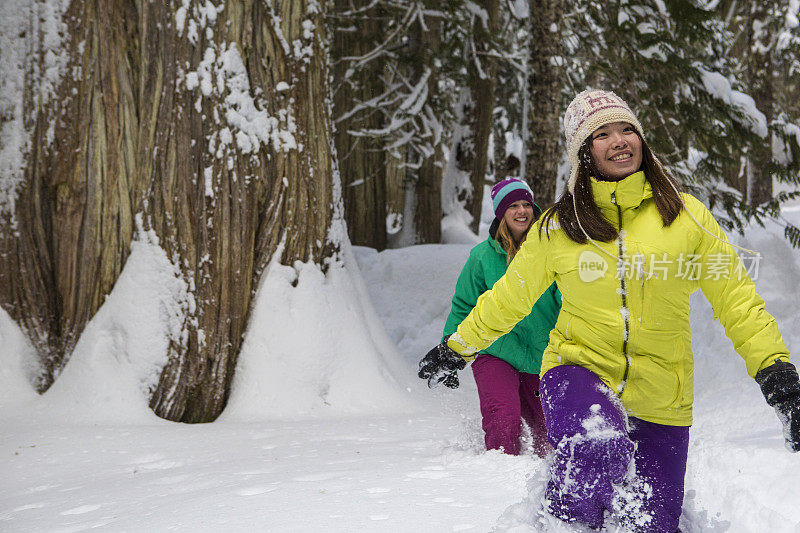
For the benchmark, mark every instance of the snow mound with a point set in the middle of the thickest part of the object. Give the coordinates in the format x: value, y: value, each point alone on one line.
x: 456, y: 231
x: 316, y: 347
x: 16, y: 353
x: 120, y: 354
x: 412, y: 288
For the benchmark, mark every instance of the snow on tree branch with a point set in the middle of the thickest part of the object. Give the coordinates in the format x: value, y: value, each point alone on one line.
x: 719, y: 87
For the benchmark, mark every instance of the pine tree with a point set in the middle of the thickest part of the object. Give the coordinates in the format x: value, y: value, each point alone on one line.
x: 668, y: 60
x: 409, y: 109
x: 242, y: 170
x: 765, y: 47
x: 511, y: 101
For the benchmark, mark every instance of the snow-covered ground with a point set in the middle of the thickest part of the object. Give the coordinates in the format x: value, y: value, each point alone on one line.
x: 413, y: 461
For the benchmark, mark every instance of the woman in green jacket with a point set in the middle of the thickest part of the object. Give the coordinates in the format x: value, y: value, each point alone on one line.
x: 507, y: 372
x: 626, y: 249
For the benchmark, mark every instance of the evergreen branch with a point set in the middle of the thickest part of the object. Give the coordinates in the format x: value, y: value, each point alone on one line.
x: 408, y: 19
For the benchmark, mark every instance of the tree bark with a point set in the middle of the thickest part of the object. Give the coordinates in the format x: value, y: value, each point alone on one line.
x: 219, y: 206
x: 544, y: 93
x: 205, y: 120
x: 472, y: 154
x: 362, y: 164
x: 396, y: 186
x: 73, y: 218
x: 428, y: 177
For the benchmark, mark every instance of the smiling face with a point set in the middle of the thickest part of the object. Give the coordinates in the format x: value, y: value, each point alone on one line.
x: 616, y: 150
x: 519, y: 217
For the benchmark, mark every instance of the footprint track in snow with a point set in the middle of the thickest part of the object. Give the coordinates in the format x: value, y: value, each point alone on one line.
x: 256, y: 490
x: 83, y: 509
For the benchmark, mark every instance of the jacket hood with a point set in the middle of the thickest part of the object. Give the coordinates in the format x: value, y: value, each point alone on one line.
x: 493, y: 228
x: 493, y: 237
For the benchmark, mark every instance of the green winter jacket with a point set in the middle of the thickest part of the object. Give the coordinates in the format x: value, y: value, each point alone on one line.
x: 630, y: 326
x: 522, y: 347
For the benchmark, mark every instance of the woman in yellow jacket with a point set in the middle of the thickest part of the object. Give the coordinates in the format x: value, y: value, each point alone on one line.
x: 626, y: 250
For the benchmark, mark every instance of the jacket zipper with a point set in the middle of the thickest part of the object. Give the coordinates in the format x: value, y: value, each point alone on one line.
x: 624, y: 293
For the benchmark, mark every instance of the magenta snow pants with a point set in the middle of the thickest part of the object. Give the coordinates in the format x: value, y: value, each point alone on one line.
x: 508, y: 396
x: 593, y: 450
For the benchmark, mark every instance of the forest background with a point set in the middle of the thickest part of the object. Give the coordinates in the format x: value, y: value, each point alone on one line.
x: 245, y: 136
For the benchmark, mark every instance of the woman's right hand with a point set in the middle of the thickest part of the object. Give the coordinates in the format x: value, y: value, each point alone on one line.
x: 441, y: 365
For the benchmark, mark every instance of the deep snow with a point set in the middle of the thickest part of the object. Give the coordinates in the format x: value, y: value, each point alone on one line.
x: 328, y: 428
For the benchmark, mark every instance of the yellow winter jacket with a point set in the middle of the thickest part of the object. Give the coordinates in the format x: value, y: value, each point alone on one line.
x: 625, y: 313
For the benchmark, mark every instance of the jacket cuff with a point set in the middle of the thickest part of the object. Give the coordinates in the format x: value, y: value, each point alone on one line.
x: 457, y: 344
x: 773, y: 364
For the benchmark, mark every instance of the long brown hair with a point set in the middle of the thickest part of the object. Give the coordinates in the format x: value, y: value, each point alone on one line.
x: 668, y: 201
x: 506, y: 240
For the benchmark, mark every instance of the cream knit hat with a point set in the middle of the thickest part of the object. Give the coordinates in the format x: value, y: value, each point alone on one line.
x: 587, y: 112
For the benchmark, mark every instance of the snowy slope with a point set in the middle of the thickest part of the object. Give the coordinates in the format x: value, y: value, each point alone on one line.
x: 71, y: 462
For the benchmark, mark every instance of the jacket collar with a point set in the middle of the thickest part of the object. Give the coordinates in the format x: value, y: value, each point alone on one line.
x: 629, y: 192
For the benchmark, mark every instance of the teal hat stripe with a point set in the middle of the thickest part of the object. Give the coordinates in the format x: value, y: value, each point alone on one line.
x: 513, y: 186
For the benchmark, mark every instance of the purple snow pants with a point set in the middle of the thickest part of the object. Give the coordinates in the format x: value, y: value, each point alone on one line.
x: 508, y: 396
x: 593, y: 450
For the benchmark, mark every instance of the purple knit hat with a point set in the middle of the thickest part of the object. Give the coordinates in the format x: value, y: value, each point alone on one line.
x: 507, y: 192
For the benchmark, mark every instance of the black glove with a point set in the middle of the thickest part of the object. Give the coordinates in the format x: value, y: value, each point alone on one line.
x: 781, y: 388
x: 440, y: 365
